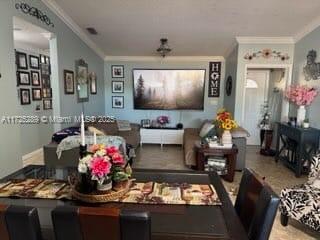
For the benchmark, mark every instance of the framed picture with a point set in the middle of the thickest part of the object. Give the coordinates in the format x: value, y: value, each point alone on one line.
x: 35, y: 78
x: 117, y: 102
x: 117, y: 87
x: 34, y: 62
x: 25, y: 96
x: 45, y: 81
x: 21, y: 59
x: 93, y: 83
x: 36, y: 94
x: 68, y: 82
x: 47, y: 93
x: 117, y: 71
x: 82, y: 80
x: 47, y: 104
x: 23, y: 78
x: 45, y: 69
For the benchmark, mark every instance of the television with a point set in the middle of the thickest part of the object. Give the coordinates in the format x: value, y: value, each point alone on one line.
x: 168, y: 89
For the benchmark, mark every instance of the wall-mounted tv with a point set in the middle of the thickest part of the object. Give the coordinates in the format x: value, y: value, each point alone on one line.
x: 168, y: 89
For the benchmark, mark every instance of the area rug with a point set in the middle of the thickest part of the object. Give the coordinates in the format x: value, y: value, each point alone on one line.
x: 141, y: 193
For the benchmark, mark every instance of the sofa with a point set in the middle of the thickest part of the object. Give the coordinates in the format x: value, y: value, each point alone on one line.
x: 302, y: 202
x: 71, y: 157
x: 239, y: 138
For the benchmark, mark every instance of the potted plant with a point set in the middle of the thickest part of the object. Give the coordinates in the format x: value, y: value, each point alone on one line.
x: 306, y: 123
x: 301, y: 96
x: 103, y: 166
x: 225, y: 123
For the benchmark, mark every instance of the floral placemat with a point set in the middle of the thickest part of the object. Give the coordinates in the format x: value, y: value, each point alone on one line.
x: 141, y: 193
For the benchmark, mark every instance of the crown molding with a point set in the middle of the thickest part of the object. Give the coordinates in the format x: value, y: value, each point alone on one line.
x: 166, y: 59
x: 307, y: 29
x: 265, y: 40
x: 57, y: 10
x: 231, y: 48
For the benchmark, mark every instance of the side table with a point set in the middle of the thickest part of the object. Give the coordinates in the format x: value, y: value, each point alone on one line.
x: 203, y: 151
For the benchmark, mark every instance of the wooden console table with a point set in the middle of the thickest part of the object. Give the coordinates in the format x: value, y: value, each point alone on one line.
x: 203, y: 151
x: 294, y: 146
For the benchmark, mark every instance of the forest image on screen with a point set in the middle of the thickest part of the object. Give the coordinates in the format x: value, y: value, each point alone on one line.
x: 168, y: 89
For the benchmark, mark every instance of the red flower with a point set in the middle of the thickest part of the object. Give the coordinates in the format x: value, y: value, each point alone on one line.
x: 111, y: 150
x: 118, y: 159
x: 100, y: 167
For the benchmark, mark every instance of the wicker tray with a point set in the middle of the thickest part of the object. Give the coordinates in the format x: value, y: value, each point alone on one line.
x: 102, y: 197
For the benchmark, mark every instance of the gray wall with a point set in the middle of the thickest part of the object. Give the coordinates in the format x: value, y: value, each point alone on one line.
x: 65, y: 49
x: 231, y: 70
x: 189, y: 118
x: 302, y: 47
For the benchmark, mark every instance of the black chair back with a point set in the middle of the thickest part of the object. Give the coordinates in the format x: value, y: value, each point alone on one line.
x: 66, y: 224
x: 266, y: 210
x: 133, y: 223
x: 23, y: 223
x: 91, y: 223
x: 256, y: 205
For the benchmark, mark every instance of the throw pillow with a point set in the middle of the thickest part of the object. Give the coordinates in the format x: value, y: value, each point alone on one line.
x: 94, y: 130
x: 123, y: 125
x: 207, y: 130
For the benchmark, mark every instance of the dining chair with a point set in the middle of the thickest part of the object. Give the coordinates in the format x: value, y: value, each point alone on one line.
x: 19, y: 223
x: 97, y: 223
x: 256, y: 205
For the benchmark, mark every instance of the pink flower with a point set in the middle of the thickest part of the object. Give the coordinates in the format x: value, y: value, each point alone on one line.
x: 301, y: 95
x: 100, y: 167
x: 112, y: 150
x: 118, y: 159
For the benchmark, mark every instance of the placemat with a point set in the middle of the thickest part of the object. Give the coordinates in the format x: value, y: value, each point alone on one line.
x: 141, y: 193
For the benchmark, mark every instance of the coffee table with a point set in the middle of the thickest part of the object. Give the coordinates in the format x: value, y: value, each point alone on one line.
x: 168, y: 221
x: 203, y: 151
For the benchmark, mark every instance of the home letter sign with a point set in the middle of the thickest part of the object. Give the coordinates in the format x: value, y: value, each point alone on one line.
x: 214, y: 79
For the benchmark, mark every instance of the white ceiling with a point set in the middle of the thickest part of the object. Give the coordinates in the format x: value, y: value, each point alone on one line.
x: 27, y: 34
x: 193, y: 27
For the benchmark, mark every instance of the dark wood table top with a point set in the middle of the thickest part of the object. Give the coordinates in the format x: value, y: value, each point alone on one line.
x: 168, y: 221
x: 207, y: 150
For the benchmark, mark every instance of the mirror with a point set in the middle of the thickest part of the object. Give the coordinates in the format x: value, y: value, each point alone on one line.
x: 82, y: 81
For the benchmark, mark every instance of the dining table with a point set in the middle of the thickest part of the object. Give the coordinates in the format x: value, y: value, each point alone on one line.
x: 168, y: 222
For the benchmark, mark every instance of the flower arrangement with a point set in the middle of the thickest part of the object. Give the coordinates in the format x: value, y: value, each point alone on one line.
x: 301, y: 95
x: 104, y: 163
x: 224, y: 120
x: 162, y: 120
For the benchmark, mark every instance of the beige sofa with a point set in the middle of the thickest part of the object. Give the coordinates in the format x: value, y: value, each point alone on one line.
x: 239, y: 138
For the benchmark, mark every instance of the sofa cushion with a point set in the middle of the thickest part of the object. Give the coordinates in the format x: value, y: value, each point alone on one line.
x: 206, y: 130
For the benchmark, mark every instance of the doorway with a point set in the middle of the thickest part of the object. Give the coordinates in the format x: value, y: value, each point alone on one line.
x: 264, y: 103
x: 256, y: 102
x: 32, y: 45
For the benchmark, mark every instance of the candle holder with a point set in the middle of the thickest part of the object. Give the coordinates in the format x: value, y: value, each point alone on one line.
x: 83, y: 150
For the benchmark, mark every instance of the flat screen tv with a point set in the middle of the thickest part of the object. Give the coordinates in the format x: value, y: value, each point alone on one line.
x: 168, y: 89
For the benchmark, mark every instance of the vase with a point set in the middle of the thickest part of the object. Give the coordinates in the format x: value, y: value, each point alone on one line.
x: 226, y: 137
x: 301, y: 115
x: 105, y: 186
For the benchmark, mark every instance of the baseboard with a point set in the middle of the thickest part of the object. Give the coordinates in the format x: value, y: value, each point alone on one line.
x: 32, y: 154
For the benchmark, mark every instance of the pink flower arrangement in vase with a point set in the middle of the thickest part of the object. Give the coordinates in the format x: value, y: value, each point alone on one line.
x: 301, y: 96
x: 163, y: 120
x: 103, y: 165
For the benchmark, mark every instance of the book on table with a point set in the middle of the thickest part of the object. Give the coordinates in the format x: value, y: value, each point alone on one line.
x: 217, y: 164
